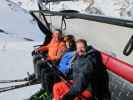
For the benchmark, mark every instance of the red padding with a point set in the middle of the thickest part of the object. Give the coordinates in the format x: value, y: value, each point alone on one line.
x: 119, y: 67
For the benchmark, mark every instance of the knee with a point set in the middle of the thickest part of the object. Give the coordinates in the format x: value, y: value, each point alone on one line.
x: 36, y: 58
x: 57, y: 87
x: 40, y: 63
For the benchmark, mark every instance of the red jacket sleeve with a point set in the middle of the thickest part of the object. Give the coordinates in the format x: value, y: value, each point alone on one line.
x: 43, y: 48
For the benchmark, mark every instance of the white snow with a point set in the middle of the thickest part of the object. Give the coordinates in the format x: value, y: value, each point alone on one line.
x: 110, y: 8
x: 15, y: 51
x: 17, y: 21
x: 27, y: 4
x: 16, y: 61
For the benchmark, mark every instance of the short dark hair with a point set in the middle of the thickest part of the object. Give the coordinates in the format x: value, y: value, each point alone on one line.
x: 82, y: 41
x: 69, y: 37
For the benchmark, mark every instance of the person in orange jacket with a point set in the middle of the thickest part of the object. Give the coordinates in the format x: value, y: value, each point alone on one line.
x: 55, y: 49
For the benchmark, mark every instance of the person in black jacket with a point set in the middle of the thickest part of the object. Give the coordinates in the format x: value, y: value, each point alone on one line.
x: 89, y: 76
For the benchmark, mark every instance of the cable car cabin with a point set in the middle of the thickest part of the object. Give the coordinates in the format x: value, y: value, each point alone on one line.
x: 111, y: 36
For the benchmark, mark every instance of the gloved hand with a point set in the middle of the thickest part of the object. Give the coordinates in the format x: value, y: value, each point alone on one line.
x: 67, y: 96
x: 33, y: 53
x: 45, y: 59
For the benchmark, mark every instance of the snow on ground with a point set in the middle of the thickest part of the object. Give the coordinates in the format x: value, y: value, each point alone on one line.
x: 16, y: 61
x: 15, y: 52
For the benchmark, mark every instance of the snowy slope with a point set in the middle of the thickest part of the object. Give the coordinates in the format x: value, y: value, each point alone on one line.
x: 15, y: 51
x: 18, y: 22
x: 15, y: 62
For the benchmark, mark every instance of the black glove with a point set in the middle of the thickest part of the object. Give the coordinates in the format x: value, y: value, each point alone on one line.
x: 65, y: 97
x: 33, y: 53
x: 68, y: 97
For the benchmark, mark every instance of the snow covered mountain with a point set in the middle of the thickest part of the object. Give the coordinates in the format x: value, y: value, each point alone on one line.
x: 16, y: 22
x: 111, y: 8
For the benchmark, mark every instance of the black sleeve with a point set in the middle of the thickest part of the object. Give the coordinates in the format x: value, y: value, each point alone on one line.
x: 81, y: 82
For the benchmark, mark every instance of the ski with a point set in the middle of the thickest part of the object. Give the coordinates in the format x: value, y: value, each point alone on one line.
x: 29, y: 83
x: 12, y: 81
x: 29, y: 78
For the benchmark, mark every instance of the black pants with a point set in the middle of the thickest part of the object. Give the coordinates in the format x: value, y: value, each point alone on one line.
x: 37, y: 62
x: 39, y: 66
x: 45, y: 74
x: 48, y: 79
x: 36, y: 58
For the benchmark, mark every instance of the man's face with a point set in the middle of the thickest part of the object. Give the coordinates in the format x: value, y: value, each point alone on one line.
x: 55, y: 35
x: 80, y: 49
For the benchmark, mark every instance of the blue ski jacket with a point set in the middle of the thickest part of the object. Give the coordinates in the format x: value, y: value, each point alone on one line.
x: 65, y: 63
